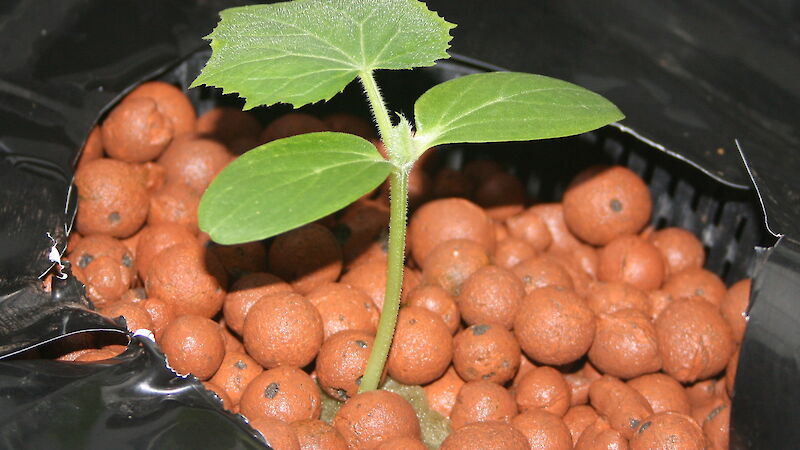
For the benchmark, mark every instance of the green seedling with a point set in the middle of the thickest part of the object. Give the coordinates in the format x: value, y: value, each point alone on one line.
x: 304, y: 51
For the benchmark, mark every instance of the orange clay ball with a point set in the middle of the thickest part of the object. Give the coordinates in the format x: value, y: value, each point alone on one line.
x: 543, y: 388
x: 174, y: 203
x: 171, y: 102
x: 136, y: 131
x: 543, y: 429
x: 292, y: 124
x: 113, y: 201
x: 662, y: 392
x: 695, y: 341
x: 155, y: 238
x: 577, y: 419
x: 349, y: 123
x: 616, y: 295
x: 371, y: 418
x: 531, y: 228
x: 491, y: 294
x: 442, y: 393
x: 193, y: 344
x: 482, y: 401
x: 223, y: 397
x: 668, y: 430
x: 625, y: 344
x: 602, y: 203
x: 93, y: 147
x: 542, y: 271
x: 681, y: 249
x: 194, y: 162
x: 136, y: 316
x: 341, y: 362
x: 632, y: 260
x: 370, y: 278
x: 554, y: 326
x: 579, y: 382
x: 227, y: 124
x: 306, y: 257
x: 161, y: 314
x: 316, y: 434
x: 241, y: 259
x: 511, y: 251
x: 486, y: 435
x: 553, y: 216
x: 501, y: 194
x: 283, y: 329
x: 189, y: 278
x: 343, y: 307
x: 277, y: 433
x: 118, y: 272
x: 235, y: 372
x: 245, y: 293
x: 445, y: 219
x: 422, y: 347
x: 486, y: 352
x: 283, y: 393
x: 696, y: 283
x: 600, y: 436
x: 435, y: 299
x: 734, y: 307
x: 402, y: 443
x: 716, y: 428
x: 450, y: 263
x: 621, y: 405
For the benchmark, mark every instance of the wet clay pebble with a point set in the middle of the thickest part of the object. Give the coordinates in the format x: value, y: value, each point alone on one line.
x: 486, y: 352
x: 445, y: 219
x: 402, y: 443
x: 171, y: 102
x: 223, y: 397
x: 625, y: 344
x: 479, y: 170
x: 155, y: 238
x: 174, y: 203
x: 371, y: 418
x: 730, y: 373
x: 341, y: 362
x: 485, y: 435
x: 668, y: 430
x: 348, y: 123
x: 245, y: 292
x: 600, y: 436
x: 700, y: 413
x: 93, y: 355
x: 235, y: 372
x: 118, y: 267
x: 306, y: 257
x: 581, y: 280
x: 370, y: 278
x: 662, y: 392
x: 695, y: 341
x: 113, y: 201
x: 531, y: 228
x: 136, y: 316
x: 450, y: 263
x: 554, y: 326
x: 577, y: 419
x: 632, y: 260
x: 501, y: 194
x: 194, y: 162
x: 622, y: 406
x: 659, y: 300
x: 579, y: 382
x: 696, y: 283
x: 616, y: 295
x: 543, y: 429
x: 702, y: 392
x: 734, y: 307
x: 543, y: 388
x: 103, y: 279
x: 511, y: 251
x: 240, y: 259
x: 422, y: 347
x: 161, y: 314
x: 482, y: 401
x: 93, y: 147
x: 227, y: 124
x: 283, y: 329
x: 136, y: 131
x: 451, y: 183
x: 681, y: 249
x: 553, y: 216
x: 283, y: 393
x: 343, y: 307
x: 232, y: 343
x: 361, y: 224
x: 491, y: 294
x: 442, y: 393
x: 278, y: 434
x: 193, y: 344
x: 716, y: 428
x: 435, y: 299
x: 314, y: 434
x: 542, y: 271
x: 292, y: 124
x: 602, y: 203
x: 189, y: 278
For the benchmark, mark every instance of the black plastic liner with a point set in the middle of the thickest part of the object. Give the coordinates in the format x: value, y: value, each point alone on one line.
x: 691, y: 79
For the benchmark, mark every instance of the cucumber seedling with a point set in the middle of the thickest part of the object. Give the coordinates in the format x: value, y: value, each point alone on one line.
x: 304, y: 51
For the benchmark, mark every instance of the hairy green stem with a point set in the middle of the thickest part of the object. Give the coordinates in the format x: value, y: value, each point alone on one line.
x: 379, y: 111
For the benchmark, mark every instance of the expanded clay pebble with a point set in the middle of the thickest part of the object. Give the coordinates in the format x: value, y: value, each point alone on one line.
x: 577, y: 419
x: 361, y: 224
x: 625, y: 344
x: 292, y: 124
x: 542, y: 271
x: 600, y: 436
x: 315, y: 434
x: 730, y: 373
x: 136, y: 316
x: 241, y: 259
x: 226, y: 401
x: 511, y: 251
x: 174, y: 203
x: 155, y: 238
x: 283, y: 393
x: 554, y: 326
x: 734, y: 307
x: 579, y: 382
x: 616, y: 295
x: 531, y: 228
x: 283, y: 329
x: 681, y: 249
x: 402, y: 443
x: 716, y: 428
x: 553, y: 216
x: 113, y: 201
x: 441, y: 394
x: 235, y: 372
x: 486, y: 352
x: 277, y: 433
x: 696, y: 283
x: 668, y: 430
x: 370, y: 278
x: 622, y: 406
x: 659, y: 300
x: 486, y: 435
x: 341, y: 362
x: 491, y: 294
x: 695, y: 341
x: 246, y: 292
x: 662, y: 392
x: 451, y: 183
x: 348, y: 123
x: 194, y: 162
x: 371, y: 418
x: 543, y: 388
x: 92, y: 148
x: 445, y: 219
x: 105, y: 265
x: 422, y: 347
x: 543, y: 429
x: 343, y: 307
x: 171, y: 102
x: 435, y: 299
x: 633, y: 260
x: 602, y: 203
x: 227, y: 124
x: 306, y: 257
x: 482, y: 401
x: 135, y: 131
x: 193, y: 344
x: 452, y: 262
x: 501, y: 194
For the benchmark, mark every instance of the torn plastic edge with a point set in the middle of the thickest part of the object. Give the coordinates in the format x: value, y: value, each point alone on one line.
x: 57, y: 338
x: 753, y: 181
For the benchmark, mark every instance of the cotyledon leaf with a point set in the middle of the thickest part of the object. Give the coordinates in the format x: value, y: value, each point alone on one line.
x: 507, y: 106
x: 304, y: 51
x: 287, y: 183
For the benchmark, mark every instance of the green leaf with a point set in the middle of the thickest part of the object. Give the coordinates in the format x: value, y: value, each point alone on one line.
x: 287, y: 183
x: 304, y: 51
x: 507, y: 106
